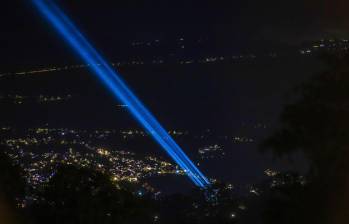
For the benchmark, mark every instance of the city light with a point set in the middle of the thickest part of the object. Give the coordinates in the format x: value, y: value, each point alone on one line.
x: 117, y: 86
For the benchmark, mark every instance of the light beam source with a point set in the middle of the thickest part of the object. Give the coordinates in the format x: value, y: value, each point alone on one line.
x: 111, y: 79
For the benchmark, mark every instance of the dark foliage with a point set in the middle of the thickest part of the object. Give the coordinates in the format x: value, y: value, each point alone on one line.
x: 317, y: 124
x: 12, y: 189
x: 77, y: 195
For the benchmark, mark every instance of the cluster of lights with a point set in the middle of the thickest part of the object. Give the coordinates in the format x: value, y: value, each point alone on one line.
x: 211, y: 151
x: 271, y: 173
x: 242, y: 139
x: 328, y: 45
x: 134, y: 62
x: 39, y: 149
x: 18, y: 99
x: 120, y: 165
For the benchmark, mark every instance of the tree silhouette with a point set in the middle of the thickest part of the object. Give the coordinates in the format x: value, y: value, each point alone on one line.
x: 79, y: 195
x: 318, y: 125
x: 12, y: 189
x: 202, y: 206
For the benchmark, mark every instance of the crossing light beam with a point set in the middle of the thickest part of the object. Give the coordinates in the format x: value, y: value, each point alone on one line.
x: 114, y: 83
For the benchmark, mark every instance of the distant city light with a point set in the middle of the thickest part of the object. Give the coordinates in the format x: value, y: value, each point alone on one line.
x: 116, y: 85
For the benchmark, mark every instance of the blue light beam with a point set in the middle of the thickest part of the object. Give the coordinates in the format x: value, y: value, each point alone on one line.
x: 111, y: 79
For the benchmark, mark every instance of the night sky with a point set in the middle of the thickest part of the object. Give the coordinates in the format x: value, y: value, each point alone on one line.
x: 25, y: 40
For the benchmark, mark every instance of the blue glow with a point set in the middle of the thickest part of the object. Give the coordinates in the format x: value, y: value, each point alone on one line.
x: 117, y: 86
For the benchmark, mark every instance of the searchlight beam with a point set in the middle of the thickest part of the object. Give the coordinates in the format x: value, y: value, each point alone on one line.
x: 113, y: 82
